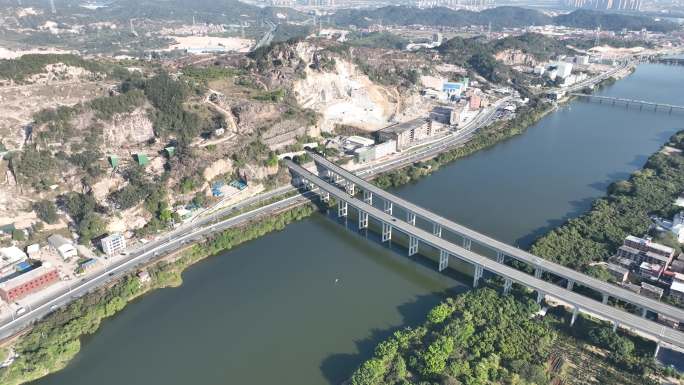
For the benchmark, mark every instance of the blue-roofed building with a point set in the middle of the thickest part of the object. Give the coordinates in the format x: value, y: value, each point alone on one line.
x: 452, y: 89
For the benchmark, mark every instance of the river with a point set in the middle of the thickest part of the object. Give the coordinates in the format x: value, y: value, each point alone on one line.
x: 306, y: 306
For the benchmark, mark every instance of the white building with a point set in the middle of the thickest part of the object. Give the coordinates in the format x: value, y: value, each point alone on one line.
x: 678, y: 226
x: 63, y: 246
x: 113, y: 244
x: 33, y: 251
x: 9, y: 257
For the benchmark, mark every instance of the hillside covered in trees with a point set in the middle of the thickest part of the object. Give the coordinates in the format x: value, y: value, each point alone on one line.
x: 500, y: 17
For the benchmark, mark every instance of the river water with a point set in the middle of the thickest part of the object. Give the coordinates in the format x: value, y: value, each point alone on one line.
x: 306, y: 305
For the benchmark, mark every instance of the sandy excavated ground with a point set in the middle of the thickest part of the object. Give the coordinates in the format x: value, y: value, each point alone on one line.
x: 234, y: 44
x: 348, y: 97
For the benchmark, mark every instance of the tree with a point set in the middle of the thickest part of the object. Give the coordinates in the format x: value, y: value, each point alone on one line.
x: 46, y: 210
x: 18, y: 235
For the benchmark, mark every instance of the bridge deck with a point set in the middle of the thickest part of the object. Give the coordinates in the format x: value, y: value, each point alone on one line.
x: 583, y: 303
x: 628, y: 101
x: 514, y: 252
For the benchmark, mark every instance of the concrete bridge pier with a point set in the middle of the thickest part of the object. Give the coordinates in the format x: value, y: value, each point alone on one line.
x: 500, y: 257
x: 325, y: 197
x: 413, y: 245
x: 341, y: 208
x: 368, y: 197
x: 363, y: 220
x: 477, y: 274
x: 350, y: 188
x: 387, y: 207
x: 657, y: 350
x: 575, y: 310
x: 570, y: 285
x: 507, y: 286
x: 411, y: 218
x: 615, y: 326
x: 443, y: 260
x: 437, y: 230
x: 644, y: 312
x: 467, y: 243
x: 538, y: 272
x: 605, y: 298
x: 540, y: 296
x: 386, y: 232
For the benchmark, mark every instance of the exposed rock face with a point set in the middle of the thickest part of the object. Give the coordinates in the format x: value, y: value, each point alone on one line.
x: 129, y: 129
x: 347, y: 96
x: 515, y: 57
x: 282, y: 133
x: 219, y: 167
x: 252, y: 172
x: 250, y: 116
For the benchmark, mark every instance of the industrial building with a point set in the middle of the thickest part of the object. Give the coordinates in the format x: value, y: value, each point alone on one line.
x: 369, y: 154
x: 408, y: 133
x: 28, y: 283
x: 113, y: 244
x: 640, y: 250
x: 64, y: 247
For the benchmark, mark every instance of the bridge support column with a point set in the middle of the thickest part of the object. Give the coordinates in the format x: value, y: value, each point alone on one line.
x: 363, y: 220
x: 615, y: 326
x: 350, y: 188
x: 570, y: 285
x: 644, y: 312
x: 605, y: 298
x: 477, y: 274
x: 387, y: 207
x: 467, y: 243
x: 540, y: 296
x: 341, y: 208
x: 325, y: 197
x: 443, y: 260
x: 574, y: 315
x: 500, y: 257
x: 411, y: 218
x: 386, y: 232
x: 657, y: 350
x: 537, y: 272
x: 368, y: 197
x: 507, y: 286
x: 413, y: 245
x: 437, y: 230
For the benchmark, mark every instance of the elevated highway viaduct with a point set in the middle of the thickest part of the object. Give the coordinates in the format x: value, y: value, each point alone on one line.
x: 353, y: 185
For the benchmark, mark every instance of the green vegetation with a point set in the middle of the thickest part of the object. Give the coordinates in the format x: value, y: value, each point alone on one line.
x: 597, y: 234
x: 613, y: 21
x: 53, y: 342
x: 19, y: 69
x: 479, y: 337
x: 500, y: 17
x: 46, y: 211
x: 139, y: 187
x: 34, y: 167
x: 85, y: 212
x: 167, y: 95
x: 378, y: 40
x: 274, y: 96
x: 106, y: 107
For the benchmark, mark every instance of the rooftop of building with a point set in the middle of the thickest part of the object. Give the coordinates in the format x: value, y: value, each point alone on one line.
x: 27, y: 277
x: 649, y: 254
x: 11, y: 254
x: 616, y: 268
x: 57, y: 241
x: 398, y: 128
x: 677, y: 285
x: 649, y: 287
x: 650, y: 244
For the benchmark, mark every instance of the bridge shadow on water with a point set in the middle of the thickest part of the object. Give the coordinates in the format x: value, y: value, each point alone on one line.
x: 338, y: 367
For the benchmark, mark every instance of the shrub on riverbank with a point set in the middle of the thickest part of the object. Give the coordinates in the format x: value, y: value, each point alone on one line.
x: 55, y: 340
x: 626, y: 210
x: 478, y: 337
